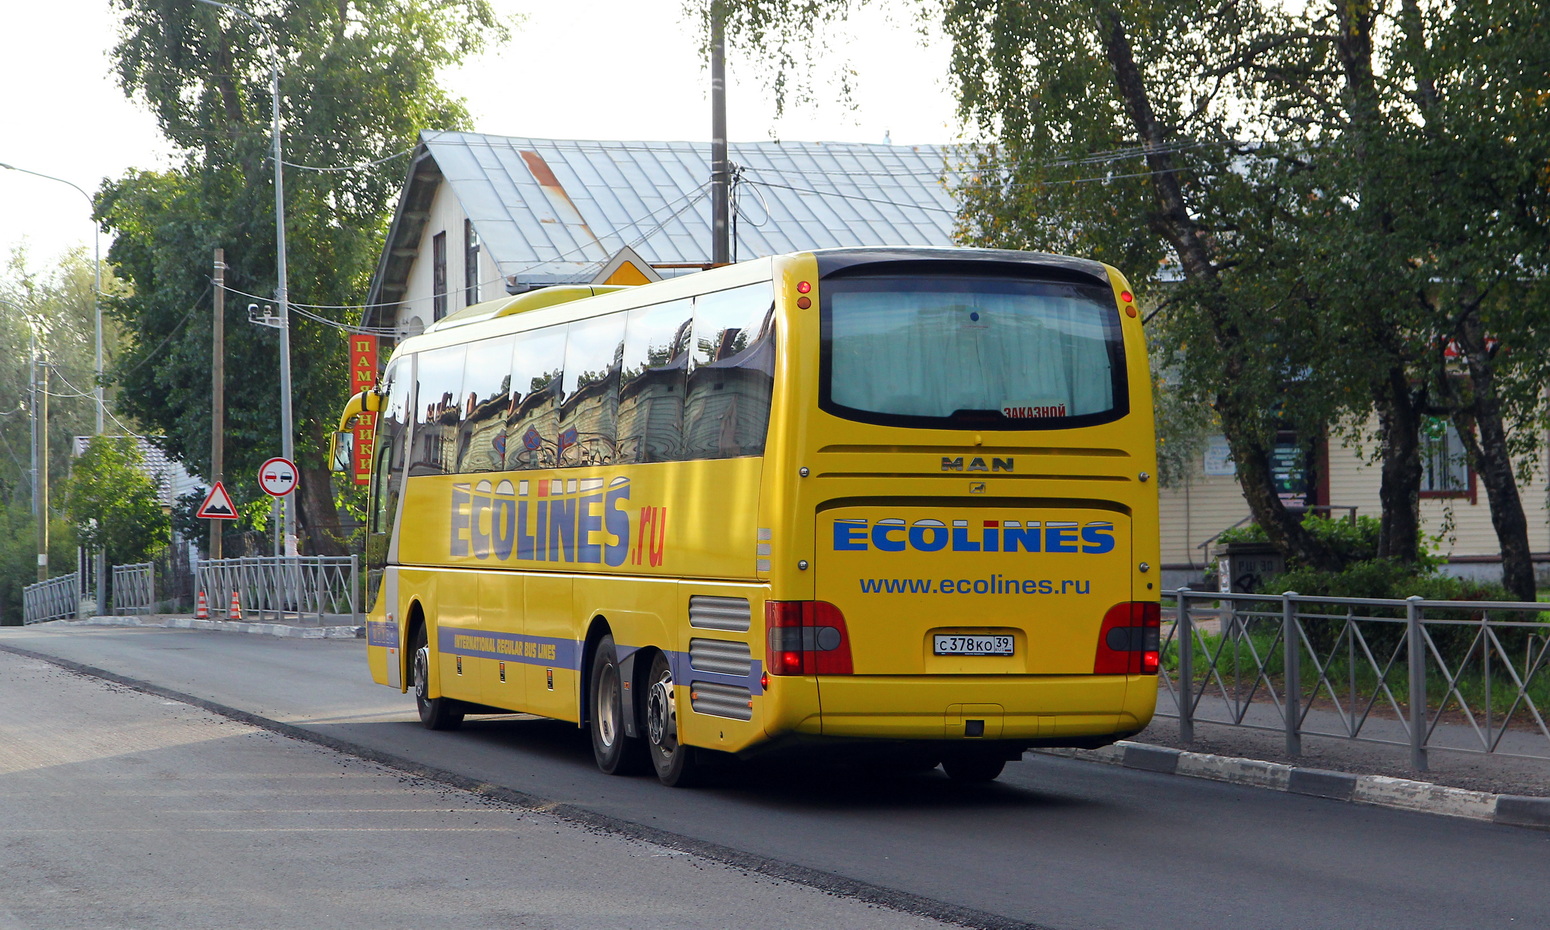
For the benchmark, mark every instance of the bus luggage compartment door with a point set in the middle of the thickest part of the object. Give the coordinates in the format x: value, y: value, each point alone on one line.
x: 978, y: 591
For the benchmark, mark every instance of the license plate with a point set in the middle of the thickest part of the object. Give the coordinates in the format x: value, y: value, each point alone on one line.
x: 968, y: 644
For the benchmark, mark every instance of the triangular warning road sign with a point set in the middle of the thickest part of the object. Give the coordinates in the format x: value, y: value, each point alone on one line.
x: 217, y: 505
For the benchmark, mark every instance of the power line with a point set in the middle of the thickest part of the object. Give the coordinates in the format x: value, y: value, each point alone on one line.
x: 689, y: 199
x: 888, y: 203
x: 359, y: 166
x: 174, y: 331
x: 105, y: 409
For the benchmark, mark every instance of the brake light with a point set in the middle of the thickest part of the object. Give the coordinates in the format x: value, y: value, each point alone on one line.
x: 1129, y: 643
x: 806, y: 638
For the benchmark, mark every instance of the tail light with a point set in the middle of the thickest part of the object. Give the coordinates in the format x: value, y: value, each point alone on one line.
x: 1130, y: 641
x: 806, y: 638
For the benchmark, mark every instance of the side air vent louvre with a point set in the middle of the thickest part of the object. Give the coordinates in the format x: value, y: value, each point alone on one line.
x: 716, y: 655
x: 721, y: 700
x: 730, y: 614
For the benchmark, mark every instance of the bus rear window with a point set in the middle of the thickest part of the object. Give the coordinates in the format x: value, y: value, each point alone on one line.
x: 971, y: 352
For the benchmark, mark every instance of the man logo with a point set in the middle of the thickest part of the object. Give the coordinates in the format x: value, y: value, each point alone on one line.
x: 975, y: 464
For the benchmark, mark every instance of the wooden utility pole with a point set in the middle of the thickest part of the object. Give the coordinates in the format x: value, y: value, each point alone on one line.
x: 720, y: 171
x: 218, y: 395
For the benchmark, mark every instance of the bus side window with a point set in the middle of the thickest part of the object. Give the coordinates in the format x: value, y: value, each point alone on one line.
x: 651, y: 383
x: 593, y: 349
x: 437, y: 411
x: 481, y: 440
x: 533, y: 416
x: 387, y: 473
x: 731, y: 373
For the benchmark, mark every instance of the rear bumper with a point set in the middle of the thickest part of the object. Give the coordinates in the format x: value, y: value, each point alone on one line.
x: 1043, y: 708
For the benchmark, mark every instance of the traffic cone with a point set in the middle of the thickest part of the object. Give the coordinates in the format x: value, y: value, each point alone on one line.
x: 201, y: 608
x: 235, y: 613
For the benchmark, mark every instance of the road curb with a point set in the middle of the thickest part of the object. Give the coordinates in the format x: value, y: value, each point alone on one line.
x: 285, y: 631
x: 1523, y: 812
x: 1377, y: 790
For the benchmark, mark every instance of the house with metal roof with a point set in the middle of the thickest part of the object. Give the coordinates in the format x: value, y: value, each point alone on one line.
x: 481, y: 215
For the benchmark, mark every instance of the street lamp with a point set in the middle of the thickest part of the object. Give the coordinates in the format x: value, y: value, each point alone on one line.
x: 282, y: 294
x: 97, y: 289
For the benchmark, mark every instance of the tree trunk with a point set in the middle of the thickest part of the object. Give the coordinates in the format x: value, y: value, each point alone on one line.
x: 319, y: 515
x: 1399, y: 494
x: 1243, y: 421
x: 1398, y: 406
x: 1492, y: 461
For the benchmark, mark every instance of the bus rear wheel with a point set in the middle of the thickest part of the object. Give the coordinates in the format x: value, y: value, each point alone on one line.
x: 675, y: 763
x: 608, y: 702
x: 441, y: 713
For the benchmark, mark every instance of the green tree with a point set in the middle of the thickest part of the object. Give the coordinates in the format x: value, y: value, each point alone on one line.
x: 46, y: 314
x: 358, y: 82
x: 1114, y: 131
x: 1271, y: 160
x: 1447, y: 99
x: 113, y: 503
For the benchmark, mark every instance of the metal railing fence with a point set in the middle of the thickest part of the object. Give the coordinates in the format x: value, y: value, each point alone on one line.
x: 309, y: 589
x: 54, y: 599
x: 134, y: 588
x: 1467, y: 676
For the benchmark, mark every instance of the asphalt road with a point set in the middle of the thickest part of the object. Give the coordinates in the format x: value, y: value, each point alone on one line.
x: 1055, y: 843
x: 120, y: 809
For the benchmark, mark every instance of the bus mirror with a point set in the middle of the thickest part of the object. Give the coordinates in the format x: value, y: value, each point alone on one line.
x: 342, y: 451
x: 367, y: 401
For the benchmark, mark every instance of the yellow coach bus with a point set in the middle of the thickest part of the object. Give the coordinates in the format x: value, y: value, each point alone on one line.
x: 895, y: 501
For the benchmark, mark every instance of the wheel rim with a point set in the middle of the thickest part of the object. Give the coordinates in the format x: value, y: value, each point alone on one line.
x: 422, y: 664
x: 661, y: 717
x: 608, y: 705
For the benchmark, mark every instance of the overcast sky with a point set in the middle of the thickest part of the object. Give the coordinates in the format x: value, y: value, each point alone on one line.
x: 576, y: 69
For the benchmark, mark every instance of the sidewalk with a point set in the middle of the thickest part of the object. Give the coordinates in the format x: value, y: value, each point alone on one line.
x: 252, y: 628
x: 1500, y: 788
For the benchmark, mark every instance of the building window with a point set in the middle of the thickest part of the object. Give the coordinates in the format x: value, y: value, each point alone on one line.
x: 439, y: 276
x: 1444, y: 463
x: 470, y: 264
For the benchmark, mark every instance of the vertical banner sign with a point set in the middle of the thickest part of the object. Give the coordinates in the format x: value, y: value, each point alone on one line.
x: 363, y: 375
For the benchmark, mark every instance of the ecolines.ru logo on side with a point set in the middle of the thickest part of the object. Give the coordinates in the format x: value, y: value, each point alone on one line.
x: 555, y: 520
x: 893, y: 534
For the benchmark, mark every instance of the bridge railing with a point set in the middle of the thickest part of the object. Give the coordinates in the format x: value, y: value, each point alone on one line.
x: 316, y: 590
x: 54, y: 599
x: 134, y: 588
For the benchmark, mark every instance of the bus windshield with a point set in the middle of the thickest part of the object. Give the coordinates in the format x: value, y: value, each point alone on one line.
x: 971, y: 351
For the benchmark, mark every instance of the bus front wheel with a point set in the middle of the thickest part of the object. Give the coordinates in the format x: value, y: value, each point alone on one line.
x: 440, y: 713
x: 616, y: 753
x: 675, y: 763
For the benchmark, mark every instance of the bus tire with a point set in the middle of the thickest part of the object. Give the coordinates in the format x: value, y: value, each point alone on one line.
x: 441, y: 713
x: 676, y: 764
x: 973, y: 767
x: 607, y: 704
